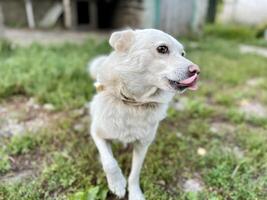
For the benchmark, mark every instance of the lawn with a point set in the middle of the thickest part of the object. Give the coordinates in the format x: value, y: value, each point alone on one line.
x: 208, y: 138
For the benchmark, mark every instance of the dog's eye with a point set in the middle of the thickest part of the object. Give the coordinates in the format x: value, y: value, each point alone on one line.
x: 183, y: 54
x: 163, y: 49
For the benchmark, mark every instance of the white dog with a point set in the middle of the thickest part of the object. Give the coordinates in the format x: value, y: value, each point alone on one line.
x: 135, y: 82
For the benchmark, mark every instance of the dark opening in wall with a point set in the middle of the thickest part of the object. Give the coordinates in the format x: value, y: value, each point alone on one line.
x: 83, y: 12
x: 106, y: 10
x: 92, y: 14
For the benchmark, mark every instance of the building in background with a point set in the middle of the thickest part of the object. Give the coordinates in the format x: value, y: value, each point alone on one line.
x: 246, y: 12
x: 1, y: 22
x: 177, y: 17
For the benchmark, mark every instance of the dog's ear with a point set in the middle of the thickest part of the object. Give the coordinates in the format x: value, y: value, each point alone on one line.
x: 122, y: 40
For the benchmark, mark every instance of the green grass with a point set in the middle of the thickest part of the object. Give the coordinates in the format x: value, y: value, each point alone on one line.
x: 54, y: 74
x: 65, y: 162
x: 231, y: 31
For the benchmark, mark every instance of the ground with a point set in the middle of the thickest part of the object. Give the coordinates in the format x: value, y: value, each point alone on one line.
x: 25, y: 37
x: 211, y: 146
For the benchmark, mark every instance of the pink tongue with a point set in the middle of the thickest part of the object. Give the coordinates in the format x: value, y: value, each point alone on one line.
x: 190, y: 80
x: 193, y: 87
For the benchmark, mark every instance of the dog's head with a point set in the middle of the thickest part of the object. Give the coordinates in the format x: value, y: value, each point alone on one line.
x: 153, y: 58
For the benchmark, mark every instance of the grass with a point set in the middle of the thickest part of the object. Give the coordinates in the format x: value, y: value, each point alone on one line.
x: 52, y: 74
x: 64, y: 162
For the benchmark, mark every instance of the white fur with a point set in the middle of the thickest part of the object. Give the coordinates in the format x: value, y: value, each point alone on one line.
x: 94, y: 66
x: 137, y: 70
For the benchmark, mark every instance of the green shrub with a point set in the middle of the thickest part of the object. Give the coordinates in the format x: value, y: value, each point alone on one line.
x: 233, y: 32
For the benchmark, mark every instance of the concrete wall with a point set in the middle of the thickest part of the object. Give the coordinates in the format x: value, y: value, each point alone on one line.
x: 129, y: 13
x: 248, y: 12
x: 149, y: 17
x: 1, y: 22
x: 15, y: 14
x: 179, y: 17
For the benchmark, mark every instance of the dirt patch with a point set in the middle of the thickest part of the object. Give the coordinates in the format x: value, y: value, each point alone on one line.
x: 23, y: 167
x: 222, y: 128
x: 25, y: 37
x: 20, y: 115
x: 193, y: 185
x: 255, y: 82
x: 253, y: 49
x: 252, y: 109
x: 16, y: 177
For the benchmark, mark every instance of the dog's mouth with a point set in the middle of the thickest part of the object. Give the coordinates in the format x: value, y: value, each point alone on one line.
x: 189, y: 83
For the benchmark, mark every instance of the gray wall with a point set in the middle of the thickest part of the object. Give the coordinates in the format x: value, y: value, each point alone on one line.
x: 129, y: 13
x: 15, y: 14
x: 177, y: 17
x: 182, y: 17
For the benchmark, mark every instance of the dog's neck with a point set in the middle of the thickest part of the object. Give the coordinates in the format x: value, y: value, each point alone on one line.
x: 132, y: 101
x: 145, y: 100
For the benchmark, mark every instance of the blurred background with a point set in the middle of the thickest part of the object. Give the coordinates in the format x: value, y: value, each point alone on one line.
x: 211, y: 146
x: 175, y: 17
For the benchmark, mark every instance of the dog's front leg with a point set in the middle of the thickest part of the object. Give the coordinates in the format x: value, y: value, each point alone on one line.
x: 115, y: 178
x: 139, y: 153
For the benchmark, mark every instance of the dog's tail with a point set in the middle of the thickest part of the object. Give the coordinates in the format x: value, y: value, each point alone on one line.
x: 95, y: 65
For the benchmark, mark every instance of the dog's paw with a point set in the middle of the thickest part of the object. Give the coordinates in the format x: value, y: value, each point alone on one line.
x: 117, y: 184
x: 135, y: 193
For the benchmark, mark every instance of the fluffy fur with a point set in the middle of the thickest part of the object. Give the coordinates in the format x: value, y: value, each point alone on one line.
x: 136, y: 81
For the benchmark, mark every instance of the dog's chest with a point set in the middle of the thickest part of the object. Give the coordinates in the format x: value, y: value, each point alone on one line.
x: 126, y: 123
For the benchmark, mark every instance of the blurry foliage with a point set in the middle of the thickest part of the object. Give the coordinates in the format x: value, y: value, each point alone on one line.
x: 20, y: 144
x: 233, y: 32
x: 260, y: 30
x: 4, y: 161
x: 93, y: 193
x: 236, y: 32
x: 5, y: 47
x: 55, y: 74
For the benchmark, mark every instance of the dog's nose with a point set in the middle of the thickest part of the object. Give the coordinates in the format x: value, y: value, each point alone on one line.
x: 193, y: 69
